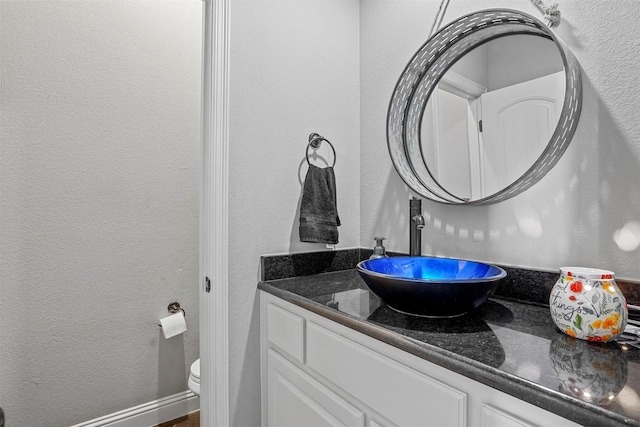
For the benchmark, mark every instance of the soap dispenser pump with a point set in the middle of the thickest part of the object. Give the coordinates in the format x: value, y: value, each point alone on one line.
x: 379, y: 251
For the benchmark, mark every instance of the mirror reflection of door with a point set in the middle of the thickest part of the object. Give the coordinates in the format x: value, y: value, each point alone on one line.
x: 492, y: 115
x: 518, y: 122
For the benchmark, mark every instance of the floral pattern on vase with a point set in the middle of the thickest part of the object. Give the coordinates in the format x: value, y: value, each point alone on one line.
x: 586, y: 303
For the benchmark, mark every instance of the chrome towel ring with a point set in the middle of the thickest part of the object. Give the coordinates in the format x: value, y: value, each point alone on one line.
x: 314, y: 142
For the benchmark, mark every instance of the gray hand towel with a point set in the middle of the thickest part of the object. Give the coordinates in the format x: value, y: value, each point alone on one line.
x: 319, y: 219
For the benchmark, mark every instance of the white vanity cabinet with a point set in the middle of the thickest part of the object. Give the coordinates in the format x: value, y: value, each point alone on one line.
x: 316, y: 372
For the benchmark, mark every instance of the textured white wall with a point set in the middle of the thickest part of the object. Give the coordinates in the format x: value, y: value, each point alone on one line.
x: 99, y: 181
x: 294, y: 70
x: 568, y: 218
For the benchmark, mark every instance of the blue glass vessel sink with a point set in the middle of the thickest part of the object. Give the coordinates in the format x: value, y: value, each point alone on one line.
x: 429, y: 286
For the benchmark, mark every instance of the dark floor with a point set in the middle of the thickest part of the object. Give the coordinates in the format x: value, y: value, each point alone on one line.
x: 191, y: 420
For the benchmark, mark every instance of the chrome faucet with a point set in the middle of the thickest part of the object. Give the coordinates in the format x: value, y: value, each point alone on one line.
x: 415, y: 226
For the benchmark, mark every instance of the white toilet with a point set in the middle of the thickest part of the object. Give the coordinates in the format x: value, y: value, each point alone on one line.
x: 194, y: 377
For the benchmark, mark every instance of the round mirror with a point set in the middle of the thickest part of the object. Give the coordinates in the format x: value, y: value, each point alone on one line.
x: 484, y: 109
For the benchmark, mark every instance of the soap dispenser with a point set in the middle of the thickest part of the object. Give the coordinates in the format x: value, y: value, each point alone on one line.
x: 379, y: 250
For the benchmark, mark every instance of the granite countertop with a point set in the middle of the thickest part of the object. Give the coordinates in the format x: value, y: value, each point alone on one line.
x: 510, y: 345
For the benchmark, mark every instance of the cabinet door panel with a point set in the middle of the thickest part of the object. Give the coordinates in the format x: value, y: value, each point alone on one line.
x: 494, y: 417
x: 286, y: 330
x: 519, y: 413
x: 404, y: 396
x: 295, y: 399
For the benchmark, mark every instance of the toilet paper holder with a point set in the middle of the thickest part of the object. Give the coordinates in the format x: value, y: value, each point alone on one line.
x: 173, y: 308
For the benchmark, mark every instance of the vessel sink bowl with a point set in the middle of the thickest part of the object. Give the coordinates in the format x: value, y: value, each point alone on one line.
x: 430, y: 286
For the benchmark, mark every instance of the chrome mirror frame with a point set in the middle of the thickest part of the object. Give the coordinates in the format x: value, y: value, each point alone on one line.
x: 421, y: 76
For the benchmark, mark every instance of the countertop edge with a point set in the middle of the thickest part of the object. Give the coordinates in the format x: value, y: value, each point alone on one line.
x: 556, y: 402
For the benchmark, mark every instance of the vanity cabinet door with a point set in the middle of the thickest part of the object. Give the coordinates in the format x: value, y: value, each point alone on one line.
x: 404, y: 395
x: 295, y: 399
x: 285, y: 330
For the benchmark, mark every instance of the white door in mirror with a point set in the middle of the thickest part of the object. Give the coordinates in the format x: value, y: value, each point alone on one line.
x: 518, y: 122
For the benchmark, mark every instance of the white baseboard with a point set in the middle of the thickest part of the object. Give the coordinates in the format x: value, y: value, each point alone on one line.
x: 150, y: 413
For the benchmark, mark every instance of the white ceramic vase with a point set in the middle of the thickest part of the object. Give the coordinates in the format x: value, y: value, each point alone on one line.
x: 586, y: 303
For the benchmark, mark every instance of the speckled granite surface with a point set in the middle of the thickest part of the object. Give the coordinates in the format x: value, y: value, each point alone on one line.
x: 505, y: 343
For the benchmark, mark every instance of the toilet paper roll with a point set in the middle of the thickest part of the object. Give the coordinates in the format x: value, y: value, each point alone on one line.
x: 173, y: 325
